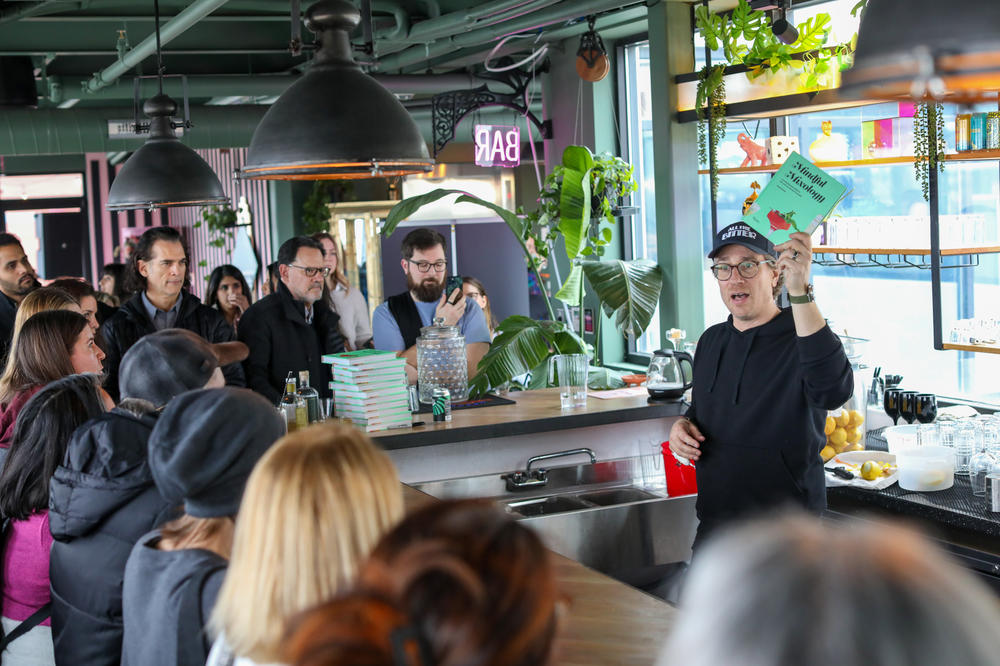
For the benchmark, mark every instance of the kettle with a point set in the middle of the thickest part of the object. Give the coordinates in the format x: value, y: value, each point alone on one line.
x: 665, y: 379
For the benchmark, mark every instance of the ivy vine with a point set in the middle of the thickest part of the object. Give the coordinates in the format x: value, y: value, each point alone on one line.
x: 928, y: 129
x: 711, y: 95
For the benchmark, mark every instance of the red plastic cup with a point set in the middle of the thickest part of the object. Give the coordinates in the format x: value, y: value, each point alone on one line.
x: 681, y: 477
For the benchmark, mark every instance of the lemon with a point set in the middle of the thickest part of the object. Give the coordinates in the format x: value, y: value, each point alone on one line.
x: 853, y: 436
x: 871, y: 470
x: 838, y: 437
x: 831, y: 423
x: 856, y: 418
x: 856, y: 446
x: 843, y: 418
x: 827, y: 452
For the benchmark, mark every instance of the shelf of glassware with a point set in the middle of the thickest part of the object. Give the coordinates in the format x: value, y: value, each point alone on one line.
x: 967, y: 156
x: 871, y: 257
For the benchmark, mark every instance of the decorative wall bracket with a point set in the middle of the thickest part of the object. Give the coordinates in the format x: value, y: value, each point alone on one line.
x: 448, y: 108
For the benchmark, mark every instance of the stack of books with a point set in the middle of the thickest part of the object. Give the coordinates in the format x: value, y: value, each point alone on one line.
x: 369, y: 389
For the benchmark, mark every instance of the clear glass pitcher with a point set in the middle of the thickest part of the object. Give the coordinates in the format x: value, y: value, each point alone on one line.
x: 441, y: 361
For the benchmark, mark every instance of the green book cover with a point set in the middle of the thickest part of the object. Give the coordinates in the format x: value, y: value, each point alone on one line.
x: 797, y: 198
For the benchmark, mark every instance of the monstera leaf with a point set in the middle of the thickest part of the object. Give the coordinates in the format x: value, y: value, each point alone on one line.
x: 523, y: 345
x: 628, y: 290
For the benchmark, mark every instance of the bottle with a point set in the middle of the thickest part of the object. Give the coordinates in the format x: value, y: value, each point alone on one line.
x: 310, y: 395
x: 296, y: 412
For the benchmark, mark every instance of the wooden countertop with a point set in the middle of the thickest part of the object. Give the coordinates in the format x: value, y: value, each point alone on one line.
x: 608, y: 622
x: 534, y: 411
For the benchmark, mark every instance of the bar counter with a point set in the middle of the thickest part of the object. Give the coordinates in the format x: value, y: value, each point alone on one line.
x: 607, y: 622
x: 534, y: 412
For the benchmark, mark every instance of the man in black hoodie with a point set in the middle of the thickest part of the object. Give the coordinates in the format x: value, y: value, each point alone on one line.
x: 102, y: 498
x: 763, y: 382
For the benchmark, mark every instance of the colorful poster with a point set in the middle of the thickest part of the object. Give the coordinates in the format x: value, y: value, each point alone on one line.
x: 797, y: 198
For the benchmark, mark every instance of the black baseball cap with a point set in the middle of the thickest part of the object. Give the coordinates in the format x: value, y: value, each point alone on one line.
x: 741, y: 233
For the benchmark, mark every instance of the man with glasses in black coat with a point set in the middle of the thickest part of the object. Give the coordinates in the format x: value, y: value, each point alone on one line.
x: 291, y: 329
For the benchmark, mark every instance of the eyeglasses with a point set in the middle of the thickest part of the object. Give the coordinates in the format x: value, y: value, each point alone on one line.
x: 425, y: 266
x: 312, y: 271
x: 747, y: 269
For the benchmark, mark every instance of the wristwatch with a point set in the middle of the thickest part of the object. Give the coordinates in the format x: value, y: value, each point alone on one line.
x: 804, y: 298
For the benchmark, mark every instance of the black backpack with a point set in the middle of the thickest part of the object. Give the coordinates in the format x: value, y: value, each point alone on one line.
x: 36, y: 618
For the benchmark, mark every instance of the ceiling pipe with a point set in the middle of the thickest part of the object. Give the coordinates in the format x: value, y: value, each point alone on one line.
x: 147, y: 47
x: 36, y: 9
x: 61, y: 88
x: 399, y: 15
x: 564, y: 11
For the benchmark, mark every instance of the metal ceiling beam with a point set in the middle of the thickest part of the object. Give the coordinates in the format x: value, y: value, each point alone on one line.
x: 184, y: 20
x: 37, y: 8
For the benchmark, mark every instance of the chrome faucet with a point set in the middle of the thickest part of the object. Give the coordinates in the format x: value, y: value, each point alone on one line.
x: 529, y: 478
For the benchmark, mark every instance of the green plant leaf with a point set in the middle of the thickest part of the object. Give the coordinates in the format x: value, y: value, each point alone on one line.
x: 601, y: 378
x: 570, y: 291
x: 629, y: 291
x: 578, y: 157
x: 522, y: 345
x: 574, y: 210
x: 813, y: 32
x: 410, y: 205
x: 514, y: 222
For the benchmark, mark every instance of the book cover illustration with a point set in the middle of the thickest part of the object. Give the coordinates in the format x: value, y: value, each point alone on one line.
x: 797, y: 198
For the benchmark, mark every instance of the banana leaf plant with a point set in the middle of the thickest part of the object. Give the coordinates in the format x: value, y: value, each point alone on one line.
x: 578, y: 202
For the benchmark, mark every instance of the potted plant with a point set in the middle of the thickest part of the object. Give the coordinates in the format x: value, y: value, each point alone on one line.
x: 219, y: 220
x: 578, y: 202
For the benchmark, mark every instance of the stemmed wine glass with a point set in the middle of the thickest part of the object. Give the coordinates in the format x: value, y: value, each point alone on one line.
x: 926, y: 410
x: 908, y: 405
x: 890, y: 401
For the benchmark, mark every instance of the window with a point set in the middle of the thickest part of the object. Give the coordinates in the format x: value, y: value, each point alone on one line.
x: 641, y: 227
x: 885, y: 208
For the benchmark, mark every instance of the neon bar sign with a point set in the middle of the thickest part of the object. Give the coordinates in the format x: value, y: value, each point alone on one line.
x: 497, y: 145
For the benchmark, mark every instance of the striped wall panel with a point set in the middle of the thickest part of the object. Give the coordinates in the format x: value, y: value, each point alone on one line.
x: 224, y: 161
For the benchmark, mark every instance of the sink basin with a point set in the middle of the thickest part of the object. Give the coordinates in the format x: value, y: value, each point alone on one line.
x: 617, y: 496
x: 595, y: 514
x: 543, y: 506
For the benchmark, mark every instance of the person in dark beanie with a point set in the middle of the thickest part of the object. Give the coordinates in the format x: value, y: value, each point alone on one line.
x: 102, y: 498
x: 291, y: 330
x: 763, y: 382
x: 158, y: 275
x: 201, y: 452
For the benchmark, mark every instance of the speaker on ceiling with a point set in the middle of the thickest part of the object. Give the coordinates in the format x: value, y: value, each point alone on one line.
x: 17, y: 82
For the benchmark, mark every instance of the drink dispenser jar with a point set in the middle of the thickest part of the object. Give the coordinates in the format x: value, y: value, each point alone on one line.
x: 845, y: 427
x: 441, y: 361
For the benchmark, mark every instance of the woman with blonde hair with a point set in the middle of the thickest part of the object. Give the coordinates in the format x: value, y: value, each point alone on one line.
x: 348, y: 302
x: 40, y: 300
x: 314, y: 507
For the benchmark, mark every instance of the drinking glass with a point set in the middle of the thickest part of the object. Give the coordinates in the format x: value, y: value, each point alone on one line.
x: 890, y: 401
x: 908, y: 405
x: 926, y: 407
x: 571, y: 373
x: 928, y: 435
x: 979, y: 467
x: 325, y: 408
x: 965, y: 445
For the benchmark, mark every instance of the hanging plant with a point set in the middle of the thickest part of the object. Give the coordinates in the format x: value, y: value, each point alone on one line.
x: 928, y: 143
x: 219, y: 220
x: 711, y: 95
x: 316, y: 209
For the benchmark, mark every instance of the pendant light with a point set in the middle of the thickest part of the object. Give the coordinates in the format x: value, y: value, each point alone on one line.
x: 927, y: 49
x: 336, y: 121
x: 164, y: 172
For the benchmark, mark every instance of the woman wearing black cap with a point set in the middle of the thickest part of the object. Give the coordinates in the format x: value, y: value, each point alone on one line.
x: 201, y: 453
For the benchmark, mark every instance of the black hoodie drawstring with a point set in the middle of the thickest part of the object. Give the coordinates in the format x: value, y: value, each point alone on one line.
x: 743, y: 364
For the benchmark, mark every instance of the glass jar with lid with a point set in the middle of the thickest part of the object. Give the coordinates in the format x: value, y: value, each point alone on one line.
x: 441, y: 361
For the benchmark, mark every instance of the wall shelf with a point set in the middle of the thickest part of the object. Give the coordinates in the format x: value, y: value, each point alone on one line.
x: 968, y: 156
x: 983, y: 349
x: 855, y: 257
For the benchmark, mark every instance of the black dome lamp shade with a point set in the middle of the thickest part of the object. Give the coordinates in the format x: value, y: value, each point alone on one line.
x: 164, y: 173
x: 927, y: 49
x: 336, y: 121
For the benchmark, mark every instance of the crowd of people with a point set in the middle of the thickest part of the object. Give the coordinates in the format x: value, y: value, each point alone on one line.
x: 155, y: 512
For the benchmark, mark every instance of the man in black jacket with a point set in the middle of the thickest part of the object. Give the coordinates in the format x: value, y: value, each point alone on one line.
x: 17, y: 280
x: 291, y: 329
x: 763, y: 382
x: 102, y: 498
x: 158, y: 275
